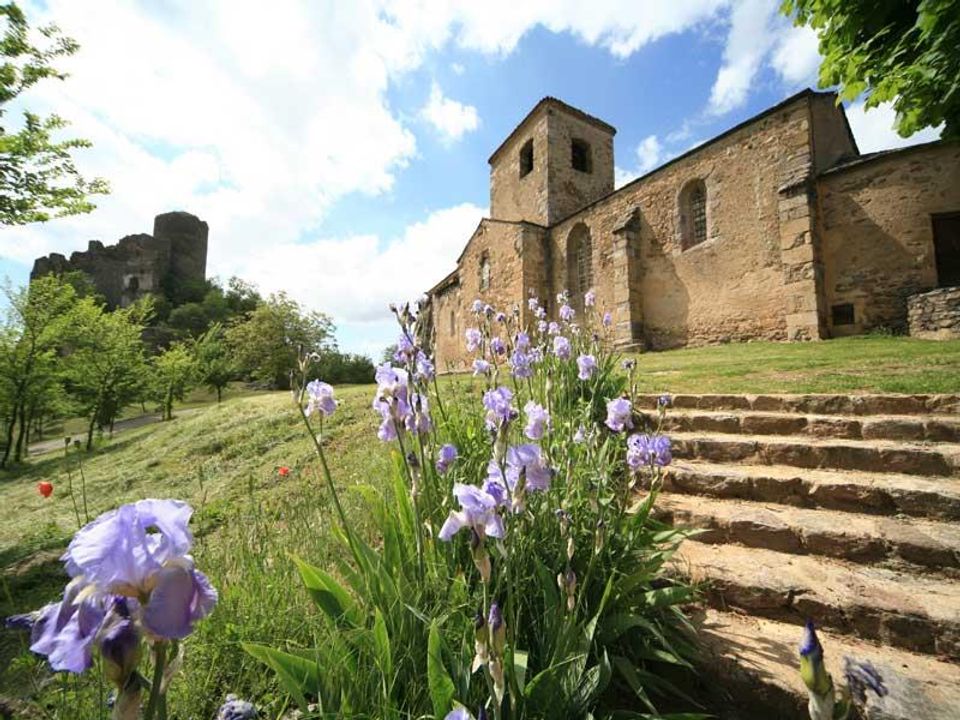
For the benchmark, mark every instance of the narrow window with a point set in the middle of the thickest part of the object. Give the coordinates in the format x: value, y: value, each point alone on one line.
x: 453, y: 323
x: 580, y: 157
x: 133, y: 284
x: 842, y: 314
x: 585, y: 264
x: 526, y: 158
x: 579, y: 262
x: 484, y: 272
x: 946, y: 248
x: 693, y: 214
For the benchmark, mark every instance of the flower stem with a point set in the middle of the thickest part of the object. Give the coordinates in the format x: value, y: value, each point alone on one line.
x: 154, y: 702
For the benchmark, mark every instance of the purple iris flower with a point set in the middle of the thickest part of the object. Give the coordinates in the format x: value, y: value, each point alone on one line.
x: 542, y: 326
x: 520, y: 365
x: 236, y: 709
x: 607, y: 319
x: 522, y: 341
x: 619, y: 415
x: 664, y: 401
x: 580, y: 435
x: 425, y: 367
x: 561, y: 347
x: 320, y: 399
x: 586, y: 366
x: 501, y: 317
x: 526, y: 460
x: 533, y: 303
x: 417, y: 421
x: 445, y: 458
x: 488, y: 311
x: 477, y: 306
x: 567, y: 313
x: 392, y: 400
x: 65, y: 631
x: 562, y: 297
x: 861, y: 676
x: 473, y: 338
x: 648, y: 450
x: 458, y: 713
x: 590, y: 298
x: 120, y: 641
x: 480, y: 367
x: 497, y: 346
x: 553, y: 328
x: 500, y: 411
x: 404, y: 349
x: 538, y: 420
x: 478, y: 512
x: 541, y: 313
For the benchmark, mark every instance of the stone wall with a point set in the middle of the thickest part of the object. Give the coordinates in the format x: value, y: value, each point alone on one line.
x: 877, y: 234
x: 730, y: 287
x: 569, y: 189
x: 935, y: 315
x: 139, y: 264
x: 521, y: 198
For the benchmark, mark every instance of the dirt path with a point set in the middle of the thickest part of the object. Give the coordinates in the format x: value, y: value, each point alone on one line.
x: 45, y: 446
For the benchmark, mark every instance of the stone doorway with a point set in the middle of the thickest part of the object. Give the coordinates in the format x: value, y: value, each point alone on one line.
x: 946, y: 244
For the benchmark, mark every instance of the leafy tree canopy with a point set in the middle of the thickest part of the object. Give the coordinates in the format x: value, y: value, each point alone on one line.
x: 904, y: 51
x: 38, y: 179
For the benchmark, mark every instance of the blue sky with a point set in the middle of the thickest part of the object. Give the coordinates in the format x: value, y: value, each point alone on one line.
x: 338, y: 150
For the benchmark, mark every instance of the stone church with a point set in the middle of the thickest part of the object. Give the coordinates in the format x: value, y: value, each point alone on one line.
x: 777, y: 229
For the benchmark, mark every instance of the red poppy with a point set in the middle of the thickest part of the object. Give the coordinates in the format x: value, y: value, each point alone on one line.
x: 45, y: 488
x: 283, y: 471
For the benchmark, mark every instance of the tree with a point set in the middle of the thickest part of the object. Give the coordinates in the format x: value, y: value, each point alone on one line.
x: 905, y: 51
x: 174, y: 372
x: 31, y: 336
x: 104, y: 365
x: 38, y: 179
x: 215, y: 366
x: 267, y: 341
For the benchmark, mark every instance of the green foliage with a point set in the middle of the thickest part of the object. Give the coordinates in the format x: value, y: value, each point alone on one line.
x: 266, y: 342
x: 339, y: 368
x: 215, y: 367
x: 174, y: 372
x: 907, y: 53
x: 591, y: 624
x: 38, y: 179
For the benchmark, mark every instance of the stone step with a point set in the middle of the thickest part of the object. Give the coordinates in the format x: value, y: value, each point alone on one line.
x: 826, y: 453
x: 756, y: 658
x: 848, y: 536
x: 849, y: 491
x: 887, y: 404
x: 916, y: 613
x: 916, y: 428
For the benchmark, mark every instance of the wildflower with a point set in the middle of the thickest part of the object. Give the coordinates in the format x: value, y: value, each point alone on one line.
x: 236, y: 709
x: 45, y: 488
x: 520, y: 365
x: 538, y: 420
x: 567, y: 582
x: 553, y: 328
x: 473, y: 338
x: 561, y: 347
x: 533, y: 303
x: 541, y: 313
x: 498, y: 629
x: 567, y: 313
x: 320, y: 398
x: 648, y: 450
x: 562, y: 297
x: 501, y: 317
x: 477, y: 306
x: 542, y: 326
x: 664, y: 401
x: 586, y: 366
x: 404, y: 350
x: 458, y: 713
x: 481, y: 653
x: 500, y: 411
x: 283, y: 471
x: 522, y: 341
x: 488, y: 310
x: 607, y: 319
x: 619, y: 415
x: 477, y: 512
x: 628, y: 364
x: 446, y: 458
x: 480, y: 367
x: 497, y: 346
x: 590, y: 298
x: 862, y: 676
x: 119, y: 640
x: 417, y: 421
x: 526, y: 470
x: 815, y: 676
x: 425, y: 368
x: 392, y: 400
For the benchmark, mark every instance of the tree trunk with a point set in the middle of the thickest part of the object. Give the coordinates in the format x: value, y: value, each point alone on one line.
x: 10, y: 427
x: 93, y: 422
x: 21, y: 432
x: 219, y: 391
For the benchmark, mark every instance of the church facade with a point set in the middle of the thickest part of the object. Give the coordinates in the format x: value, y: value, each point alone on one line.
x: 777, y: 229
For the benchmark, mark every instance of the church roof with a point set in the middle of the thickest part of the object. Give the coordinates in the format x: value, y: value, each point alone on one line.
x: 549, y: 101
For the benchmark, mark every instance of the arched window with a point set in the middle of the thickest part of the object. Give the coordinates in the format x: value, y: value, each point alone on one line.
x: 133, y: 284
x: 693, y: 214
x: 484, y: 271
x: 579, y: 262
x: 453, y: 323
x: 526, y: 158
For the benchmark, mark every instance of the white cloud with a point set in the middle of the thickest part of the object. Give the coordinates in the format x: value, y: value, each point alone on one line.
x: 873, y: 128
x: 451, y: 118
x: 649, y: 154
x: 748, y: 42
x: 458, y: 68
x: 796, y: 57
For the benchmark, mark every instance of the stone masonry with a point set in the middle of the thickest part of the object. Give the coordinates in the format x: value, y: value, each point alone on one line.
x: 176, y: 254
x: 935, y: 315
x: 778, y: 229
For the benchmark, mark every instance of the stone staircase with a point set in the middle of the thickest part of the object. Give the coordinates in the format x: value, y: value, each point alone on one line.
x: 843, y: 509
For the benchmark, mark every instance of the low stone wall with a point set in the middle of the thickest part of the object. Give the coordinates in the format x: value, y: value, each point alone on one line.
x: 935, y: 315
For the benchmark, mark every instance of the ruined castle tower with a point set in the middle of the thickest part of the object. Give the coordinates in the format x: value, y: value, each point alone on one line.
x: 174, y: 256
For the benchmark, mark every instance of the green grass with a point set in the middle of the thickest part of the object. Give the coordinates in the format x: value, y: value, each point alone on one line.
x: 848, y: 365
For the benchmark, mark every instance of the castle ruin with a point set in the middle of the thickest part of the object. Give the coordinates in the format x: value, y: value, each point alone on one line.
x: 174, y: 256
